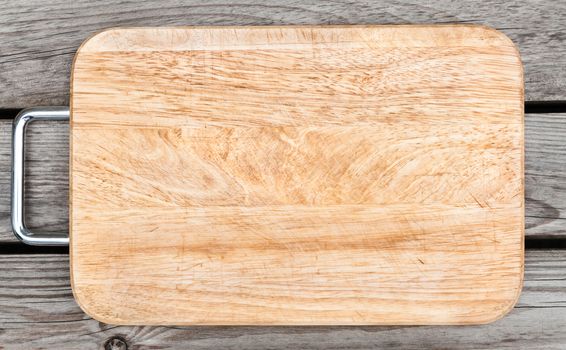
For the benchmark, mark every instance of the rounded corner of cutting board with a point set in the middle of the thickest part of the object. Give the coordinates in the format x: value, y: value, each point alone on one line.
x: 98, y: 40
x: 506, y: 306
x: 89, y: 300
x: 87, y: 303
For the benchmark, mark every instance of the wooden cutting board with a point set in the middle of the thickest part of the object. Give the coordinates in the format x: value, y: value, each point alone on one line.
x: 335, y: 175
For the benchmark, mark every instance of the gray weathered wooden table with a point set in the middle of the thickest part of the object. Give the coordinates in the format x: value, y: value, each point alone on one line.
x: 37, y: 43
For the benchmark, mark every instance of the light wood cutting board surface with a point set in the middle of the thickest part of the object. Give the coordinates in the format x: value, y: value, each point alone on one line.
x: 297, y: 175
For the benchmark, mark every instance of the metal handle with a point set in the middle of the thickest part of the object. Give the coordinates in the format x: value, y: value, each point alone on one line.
x: 18, y: 133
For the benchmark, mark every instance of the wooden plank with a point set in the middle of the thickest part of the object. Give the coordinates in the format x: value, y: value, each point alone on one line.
x: 38, y: 311
x: 305, y: 175
x: 39, y: 38
x: 545, y: 174
x: 47, y: 176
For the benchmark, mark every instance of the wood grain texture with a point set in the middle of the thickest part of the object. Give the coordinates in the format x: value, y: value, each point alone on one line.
x: 39, y: 38
x: 39, y: 312
x: 297, y: 175
x: 48, y: 181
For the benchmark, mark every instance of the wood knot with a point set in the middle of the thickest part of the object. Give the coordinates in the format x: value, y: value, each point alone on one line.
x: 116, y: 343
